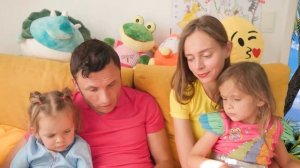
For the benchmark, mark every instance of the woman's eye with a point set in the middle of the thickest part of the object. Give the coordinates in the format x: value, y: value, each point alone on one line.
x: 190, y: 59
x: 206, y: 56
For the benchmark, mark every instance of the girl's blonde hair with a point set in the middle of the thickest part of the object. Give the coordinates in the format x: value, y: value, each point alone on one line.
x: 251, y: 78
x: 49, y: 104
x: 183, y: 78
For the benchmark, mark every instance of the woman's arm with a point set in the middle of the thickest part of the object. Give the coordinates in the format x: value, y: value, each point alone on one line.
x: 198, y: 157
x: 160, y: 150
x: 283, y: 158
x: 184, y: 139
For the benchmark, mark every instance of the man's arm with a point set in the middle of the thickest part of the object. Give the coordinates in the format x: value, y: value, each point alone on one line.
x: 160, y: 150
x: 13, y: 152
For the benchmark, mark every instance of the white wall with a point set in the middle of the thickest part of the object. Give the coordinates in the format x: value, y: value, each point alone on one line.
x: 104, y: 17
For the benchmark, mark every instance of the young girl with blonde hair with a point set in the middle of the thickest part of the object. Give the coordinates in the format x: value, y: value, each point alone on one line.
x: 53, y: 142
x: 244, y: 134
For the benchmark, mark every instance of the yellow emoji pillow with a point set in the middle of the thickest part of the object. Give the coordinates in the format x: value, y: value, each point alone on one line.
x: 248, y: 44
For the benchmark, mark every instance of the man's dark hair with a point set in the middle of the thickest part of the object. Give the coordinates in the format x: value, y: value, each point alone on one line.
x: 92, y: 56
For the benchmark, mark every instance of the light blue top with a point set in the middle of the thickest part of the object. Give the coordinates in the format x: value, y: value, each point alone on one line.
x: 35, y: 155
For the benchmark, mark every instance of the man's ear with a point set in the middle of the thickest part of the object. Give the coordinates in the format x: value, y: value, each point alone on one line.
x: 75, y: 84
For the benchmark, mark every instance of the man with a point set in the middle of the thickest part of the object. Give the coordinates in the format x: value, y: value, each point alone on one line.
x: 124, y: 127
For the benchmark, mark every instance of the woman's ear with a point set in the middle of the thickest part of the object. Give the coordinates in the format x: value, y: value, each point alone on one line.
x: 229, y: 48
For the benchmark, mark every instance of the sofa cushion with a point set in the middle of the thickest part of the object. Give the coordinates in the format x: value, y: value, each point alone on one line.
x: 278, y: 75
x: 9, y: 136
x: 21, y: 75
x: 156, y: 80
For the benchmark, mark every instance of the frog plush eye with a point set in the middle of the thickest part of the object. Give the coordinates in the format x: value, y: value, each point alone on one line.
x: 150, y: 26
x: 139, y: 20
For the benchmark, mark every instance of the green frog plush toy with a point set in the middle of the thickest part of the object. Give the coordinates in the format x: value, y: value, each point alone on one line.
x: 136, y: 42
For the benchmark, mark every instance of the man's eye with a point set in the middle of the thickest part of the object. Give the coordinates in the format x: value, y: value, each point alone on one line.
x: 111, y: 84
x: 93, y: 90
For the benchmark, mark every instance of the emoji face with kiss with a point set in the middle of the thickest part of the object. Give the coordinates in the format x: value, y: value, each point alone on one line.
x: 247, y: 41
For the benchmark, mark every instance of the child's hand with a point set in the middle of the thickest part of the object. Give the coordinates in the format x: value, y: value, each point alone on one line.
x: 213, y: 164
x: 224, y: 166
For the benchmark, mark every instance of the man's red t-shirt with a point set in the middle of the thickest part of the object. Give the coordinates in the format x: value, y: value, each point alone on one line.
x: 119, y: 138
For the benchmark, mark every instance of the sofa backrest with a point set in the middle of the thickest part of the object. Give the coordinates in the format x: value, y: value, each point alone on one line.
x: 20, y: 75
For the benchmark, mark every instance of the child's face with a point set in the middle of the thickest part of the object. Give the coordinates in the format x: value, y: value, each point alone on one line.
x: 238, y: 105
x: 57, y: 132
x: 205, y: 57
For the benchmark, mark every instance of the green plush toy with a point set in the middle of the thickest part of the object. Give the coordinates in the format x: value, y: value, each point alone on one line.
x: 52, y: 35
x: 136, y: 42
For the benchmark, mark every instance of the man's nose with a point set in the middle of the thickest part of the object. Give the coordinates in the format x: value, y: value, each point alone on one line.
x: 103, y: 97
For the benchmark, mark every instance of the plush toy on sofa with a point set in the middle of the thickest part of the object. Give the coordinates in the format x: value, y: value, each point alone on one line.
x: 136, y: 42
x: 167, y: 52
x: 51, y: 35
x: 248, y: 44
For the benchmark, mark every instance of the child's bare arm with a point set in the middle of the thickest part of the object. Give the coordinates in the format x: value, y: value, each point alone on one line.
x: 283, y: 158
x: 199, y: 155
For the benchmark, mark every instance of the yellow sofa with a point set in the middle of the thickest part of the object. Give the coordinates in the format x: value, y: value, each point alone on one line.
x: 19, y: 75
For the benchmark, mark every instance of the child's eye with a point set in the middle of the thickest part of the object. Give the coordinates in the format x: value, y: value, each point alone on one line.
x: 237, y: 99
x: 67, y: 131
x: 50, y: 136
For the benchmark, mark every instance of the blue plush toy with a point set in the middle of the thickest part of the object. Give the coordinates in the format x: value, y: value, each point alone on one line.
x: 52, y: 35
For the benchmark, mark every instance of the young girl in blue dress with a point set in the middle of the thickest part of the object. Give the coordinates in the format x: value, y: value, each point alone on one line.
x: 53, y: 141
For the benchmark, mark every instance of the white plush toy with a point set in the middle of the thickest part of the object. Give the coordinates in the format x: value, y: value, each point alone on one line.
x: 51, y: 35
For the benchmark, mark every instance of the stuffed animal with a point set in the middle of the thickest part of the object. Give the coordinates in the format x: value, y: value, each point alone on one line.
x: 52, y: 35
x: 248, y: 44
x: 167, y: 52
x: 136, y: 42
